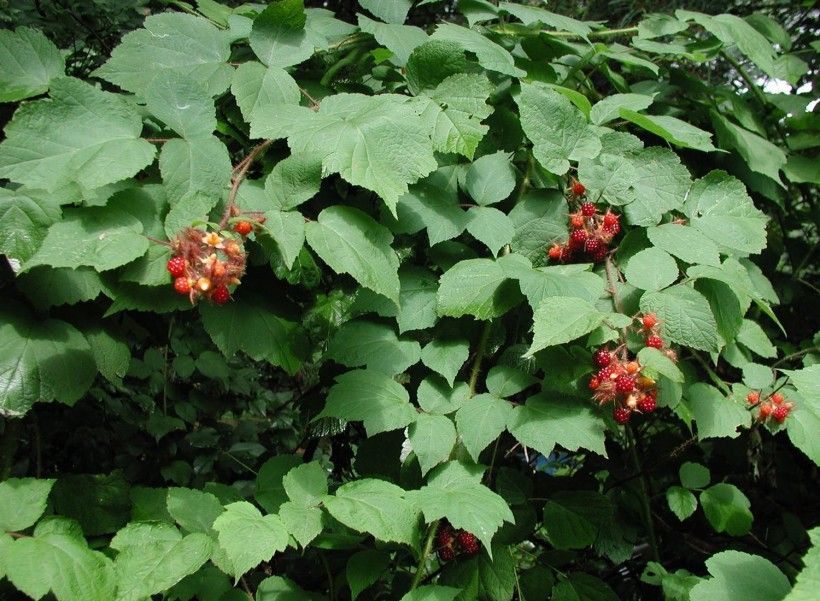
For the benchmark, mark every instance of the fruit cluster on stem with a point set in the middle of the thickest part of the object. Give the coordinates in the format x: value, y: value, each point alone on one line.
x: 774, y: 407
x: 590, y: 232
x: 452, y: 543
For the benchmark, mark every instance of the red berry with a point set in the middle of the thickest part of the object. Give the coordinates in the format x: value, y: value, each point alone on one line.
x: 625, y: 384
x: 555, y: 252
x: 182, y: 285
x: 633, y: 367
x: 654, y: 341
x: 243, y: 228
x: 587, y: 209
x: 602, y: 357
x: 613, y: 229
x: 601, y: 253
x: 578, y: 188
x: 445, y: 535
x: 468, y: 542
x: 604, y: 374
x: 594, y: 382
x: 647, y: 404
x: 649, y: 321
x: 592, y: 246
x: 176, y: 266
x: 567, y: 254
x: 577, y: 238
x: 765, y: 411
x: 780, y: 414
x: 753, y: 397
x: 621, y: 414
x: 576, y: 221
x: 610, y: 219
x: 221, y: 295
x: 446, y: 553
x: 777, y: 398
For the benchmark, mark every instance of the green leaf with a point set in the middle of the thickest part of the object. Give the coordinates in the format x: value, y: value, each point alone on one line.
x: 111, y: 354
x: 349, y: 241
x: 417, y: 299
x: 560, y: 319
x: 757, y: 376
x: 364, y: 569
x: 610, y: 177
x: 719, y: 207
x: 490, y: 226
x: 306, y: 484
x: 490, y: 55
x: 432, y: 592
x: 806, y: 380
x: 372, y: 397
x: 303, y: 523
x: 277, y: 588
x: 542, y: 422
x: 804, y: 421
x: 249, y: 538
x: 23, y: 223
x: 661, y: 185
x: 574, y: 519
x: 558, y: 131
x: 694, y: 475
x: 389, y: 11
x: 651, y: 269
x: 47, y: 287
x: 175, y: 43
x: 400, y: 39
x: 373, y: 345
x: 294, y: 180
x: 505, y: 381
x: 432, y: 63
x: 62, y: 564
x: 685, y: 242
x: 287, y: 231
x: 659, y: 25
x: 433, y: 204
x: 146, y: 569
x: 376, y: 507
x: 802, y: 170
x: 194, y: 510
x: 432, y: 438
x: 270, y: 491
x: 480, y: 421
x: 255, y: 87
x: 739, y: 576
x: 686, y: 316
x: 671, y: 129
x: 30, y: 62
x: 183, y: 104
x: 654, y: 359
x: 760, y: 155
x: 81, y: 135
x: 278, y: 35
x: 608, y: 109
x: 446, y: 357
x: 454, y: 491
x: 715, y: 415
x: 202, y: 166
x: 807, y: 581
x: 22, y: 502
x: 681, y: 502
x: 582, y: 587
x: 477, y: 287
x: 377, y: 142
x: 539, y: 219
x: 435, y: 396
x: 533, y: 14
x: 491, y: 178
x: 252, y: 326
x: 41, y: 360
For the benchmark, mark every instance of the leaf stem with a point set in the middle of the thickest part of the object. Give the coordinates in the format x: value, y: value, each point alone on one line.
x: 524, y: 31
x: 479, y: 356
x: 240, y: 171
x: 425, y: 553
x: 796, y: 355
x: 645, y: 507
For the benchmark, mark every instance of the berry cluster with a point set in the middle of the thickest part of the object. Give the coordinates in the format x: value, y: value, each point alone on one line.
x: 649, y: 328
x: 452, y: 543
x: 620, y: 382
x: 205, y: 264
x: 590, y: 232
x: 775, y: 406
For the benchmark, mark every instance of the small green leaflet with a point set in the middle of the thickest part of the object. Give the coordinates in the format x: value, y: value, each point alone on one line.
x: 480, y: 421
x: 491, y: 227
x: 175, y: 43
x: 373, y: 345
x: 389, y: 11
x: 401, y: 40
x: 661, y: 185
x: 715, y: 415
x: 23, y: 223
x: 651, y: 269
x: 432, y: 438
x: 694, y: 475
x: 539, y: 219
x: 306, y: 484
x: 761, y: 580
x: 544, y: 421
x: 194, y: 510
x: 559, y: 131
x: 559, y: 319
x: 294, y: 180
x: 490, y: 55
x: 671, y: 129
x: 255, y: 87
x: 505, y: 381
x: 376, y: 507
x: 372, y: 397
x: 533, y: 14
x: 278, y: 34
x: 446, y: 357
x: 350, y: 241
x: 681, y: 502
x: 608, y: 109
x: 30, y: 62
x: 365, y: 568
x: 248, y: 537
x: 22, y: 502
x: 574, y: 519
x: 491, y: 178
x: 477, y: 287
x: 685, y: 242
x: 432, y: 592
x: 82, y: 135
x: 727, y: 509
x: 183, y: 104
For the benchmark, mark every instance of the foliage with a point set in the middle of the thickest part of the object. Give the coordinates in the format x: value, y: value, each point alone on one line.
x: 504, y: 304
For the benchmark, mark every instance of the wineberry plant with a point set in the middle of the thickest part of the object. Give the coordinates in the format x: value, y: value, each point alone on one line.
x: 501, y: 304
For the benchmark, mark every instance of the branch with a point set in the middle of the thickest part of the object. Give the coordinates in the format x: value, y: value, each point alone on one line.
x: 425, y: 553
x: 239, y: 173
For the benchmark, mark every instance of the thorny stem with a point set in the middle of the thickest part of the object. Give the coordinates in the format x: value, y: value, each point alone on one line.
x: 796, y: 355
x: 425, y: 553
x: 647, y: 510
x: 240, y: 171
x: 157, y: 140
x: 612, y: 280
x: 314, y: 104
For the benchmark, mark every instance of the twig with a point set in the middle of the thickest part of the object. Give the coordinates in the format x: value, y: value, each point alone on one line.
x: 239, y: 176
x: 795, y: 355
x: 425, y: 553
x: 314, y: 104
x: 246, y: 587
x: 158, y: 140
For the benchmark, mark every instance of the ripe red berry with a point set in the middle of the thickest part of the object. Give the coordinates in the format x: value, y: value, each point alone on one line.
x: 243, y: 228
x: 780, y: 414
x: 649, y: 321
x: 613, y: 229
x: 601, y: 253
x: 753, y: 397
x: 577, y: 238
x: 176, y: 266
x: 621, y: 414
x: 446, y: 553
x: 605, y: 374
x: 182, y: 285
x: 221, y: 295
x: 594, y: 382
x: 625, y: 384
x: 654, y: 341
x: 777, y: 398
x: 555, y: 252
x: 602, y: 357
x: 578, y: 188
x: 576, y: 221
x: 587, y: 209
x: 610, y: 219
x: 592, y: 246
x: 647, y: 404
x: 468, y: 542
x: 765, y: 411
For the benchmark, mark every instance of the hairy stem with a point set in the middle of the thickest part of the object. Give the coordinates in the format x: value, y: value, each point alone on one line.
x: 645, y: 507
x: 239, y: 175
x: 425, y: 553
x: 479, y: 356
